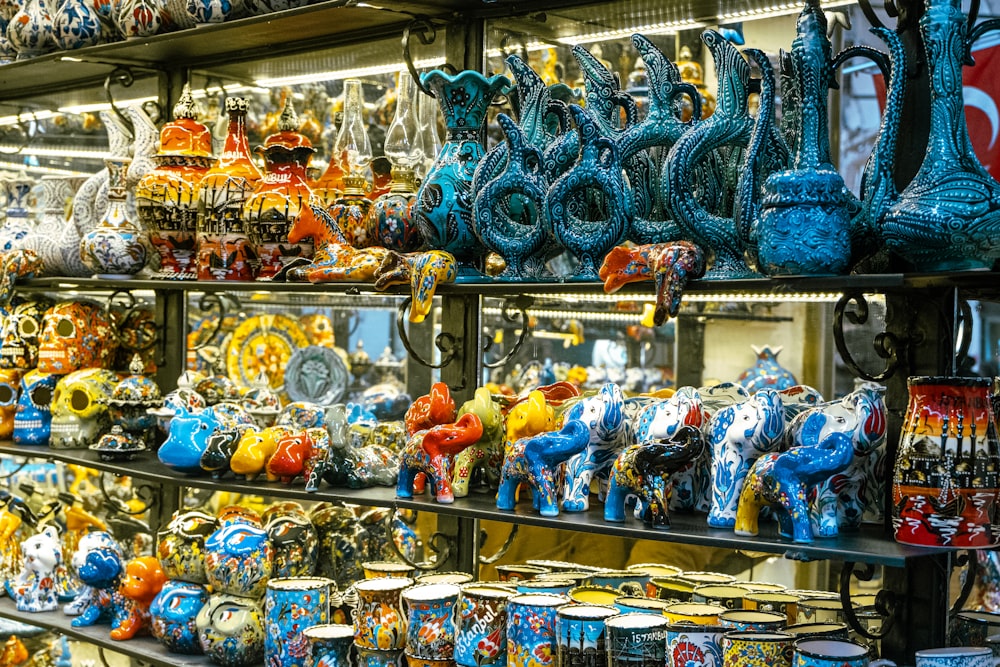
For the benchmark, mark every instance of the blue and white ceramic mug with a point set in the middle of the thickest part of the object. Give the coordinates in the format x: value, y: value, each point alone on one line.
x: 820, y: 652
x: 690, y: 645
x: 636, y: 640
x: 580, y: 634
x: 957, y: 656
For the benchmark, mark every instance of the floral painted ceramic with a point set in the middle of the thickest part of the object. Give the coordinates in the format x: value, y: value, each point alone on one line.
x: 239, y: 560
x: 181, y: 546
x: 131, y: 400
x: 116, y: 247
x: 766, y: 372
x: 379, y: 622
x: 231, y: 631
x: 481, y: 625
x: 783, y: 481
x: 76, y: 335
x: 30, y: 29
x: 487, y: 453
x: 34, y: 589
x: 224, y: 250
x: 430, y: 452
x: 295, y: 543
x: 76, y: 24
x: 167, y: 197
x: 430, y: 625
x: 141, y: 582
x: 335, y: 259
x: 80, y: 408
x: 739, y: 434
x: 33, y: 418
x: 173, y: 615
x: 329, y: 645
x: 290, y: 606
x: 139, y: 18
x: 531, y: 629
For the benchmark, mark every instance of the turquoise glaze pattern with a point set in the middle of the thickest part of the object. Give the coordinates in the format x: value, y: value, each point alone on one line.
x: 804, y: 224
x: 948, y: 217
x: 445, y: 199
x: 739, y: 434
x: 723, y: 236
x: 531, y: 629
x: 290, y: 606
x: 173, y: 613
x: 536, y: 460
x: 590, y: 235
x: 510, y: 215
x: 782, y: 481
x: 238, y: 559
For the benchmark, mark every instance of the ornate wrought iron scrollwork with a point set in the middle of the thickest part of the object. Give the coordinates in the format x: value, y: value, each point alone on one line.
x: 141, y: 340
x: 16, y: 470
x: 439, y: 543
x: 887, y: 345
x: 124, y: 77
x: 224, y: 303
x: 886, y: 604
x: 969, y: 561
x: 504, y: 548
x: 426, y: 33
x: 448, y: 344
x: 511, y: 309
x: 144, y: 492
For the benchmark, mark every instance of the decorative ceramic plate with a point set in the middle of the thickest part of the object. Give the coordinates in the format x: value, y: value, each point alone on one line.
x: 263, y: 343
x: 316, y: 374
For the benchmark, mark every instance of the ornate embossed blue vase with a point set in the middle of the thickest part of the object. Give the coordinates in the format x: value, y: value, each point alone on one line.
x: 444, y: 201
x: 290, y: 606
x: 948, y: 217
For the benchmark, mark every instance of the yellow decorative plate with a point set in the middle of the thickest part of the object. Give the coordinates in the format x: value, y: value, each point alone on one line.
x: 263, y: 343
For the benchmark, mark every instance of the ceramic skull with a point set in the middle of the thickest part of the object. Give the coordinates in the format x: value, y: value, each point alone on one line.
x: 75, y: 335
x: 10, y: 388
x: 34, y: 417
x: 80, y: 408
x: 21, y: 330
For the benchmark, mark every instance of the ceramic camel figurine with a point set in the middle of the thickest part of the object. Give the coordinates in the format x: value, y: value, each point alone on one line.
x: 335, y: 259
x: 423, y: 271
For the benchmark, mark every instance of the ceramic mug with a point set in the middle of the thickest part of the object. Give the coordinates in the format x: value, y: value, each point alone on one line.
x: 650, y: 570
x: 556, y: 586
x: 821, y: 652
x: 374, y: 657
x: 627, y: 604
x: 971, y: 628
x: 329, y: 645
x: 376, y: 569
x: 703, y: 578
x: 430, y: 606
x: 824, y: 630
x: 580, y: 634
x: 457, y: 578
x: 696, y: 613
x: 481, y: 626
x: 578, y: 578
x: 562, y: 565
x: 730, y: 597
x: 756, y: 621
x: 379, y: 622
x: 290, y: 606
x: 821, y: 610
x: 594, y: 595
x: 691, y: 645
x: 757, y: 649
x: 957, y: 656
x: 783, y: 603
x: 519, y: 572
x: 626, y: 581
x: 671, y: 588
x: 636, y: 640
x: 531, y: 627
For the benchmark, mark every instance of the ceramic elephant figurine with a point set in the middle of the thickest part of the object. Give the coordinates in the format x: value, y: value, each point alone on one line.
x: 536, y: 460
x: 487, y: 453
x: 609, y: 432
x: 190, y: 432
x: 841, y: 499
x: 529, y: 417
x: 430, y: 452
x: 644, y: 468
x: 433, y: 408
x: 739, y: 434
x: 782, y: 481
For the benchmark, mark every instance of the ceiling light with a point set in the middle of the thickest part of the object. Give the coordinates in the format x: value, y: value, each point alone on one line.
x: 662, y: 28
x: 356, y: 73
x: 54, y: 152
x: 31, y: 169
x: 782, y: 9
x: 105, y: 106
x: 26, y: 117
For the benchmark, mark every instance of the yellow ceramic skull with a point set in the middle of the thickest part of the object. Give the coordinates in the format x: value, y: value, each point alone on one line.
x: 80, y: 408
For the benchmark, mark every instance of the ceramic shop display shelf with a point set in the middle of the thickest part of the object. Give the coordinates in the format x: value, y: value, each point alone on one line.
x: 868, y: 545
x: 144, y: 648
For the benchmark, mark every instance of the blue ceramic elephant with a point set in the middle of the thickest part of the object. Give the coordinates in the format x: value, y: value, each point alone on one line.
x: 782, y: 480
x: 842, y: 498
x: 536, y: 460
x: 740, y: 434
x: 645, y: 468
x: 190, y: 434
x: 608, y: 431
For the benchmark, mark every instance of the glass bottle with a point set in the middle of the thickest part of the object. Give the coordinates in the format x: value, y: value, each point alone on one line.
x: 428, y: 140
x: 224, y: 250
x: 390, y: 222
x: 354, y: 151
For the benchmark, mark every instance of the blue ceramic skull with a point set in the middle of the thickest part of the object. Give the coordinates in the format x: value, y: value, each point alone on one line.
x: 33, y: 419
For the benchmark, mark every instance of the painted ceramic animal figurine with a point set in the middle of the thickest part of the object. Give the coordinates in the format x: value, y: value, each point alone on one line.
x: 255, y: 448
x: 335, y: 259
x: 840, y: 500
x: 189, y: 434
x: 98, y: 539
x: 292, y: 454
x: 14, y: 653
x: 669, y: 265
x: 660, y: 421
x: 430, y: 452
x: 433, y: 408
x: 100, y: 569
x: 424, y: 271
x: 609, y: 432
x: 740, y: 434
x: 782, y: 481
x: 536, y: 460
x: 219, y: 452
x: 142, y: 581
x: 645, y: 468
x: 486, y: 454
x: 35, y: 588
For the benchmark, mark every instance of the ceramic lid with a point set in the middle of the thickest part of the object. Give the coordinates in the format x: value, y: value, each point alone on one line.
x: 185, y: 135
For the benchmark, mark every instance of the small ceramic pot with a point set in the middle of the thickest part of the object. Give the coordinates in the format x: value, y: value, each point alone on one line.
x: 238, y: 559
x: 376, y: 569
x: 431, y: 606
x: 290, y: 606
x: 636, y: 605
x: 971, y: 628
x: 594, y: 595
x: 556, y: 586
x: 694, y: 645
x: 181, y: 546
x: 481, y: 626
x: 756, y: 621
x: 784, y: 603
x: 295, y: 543
x: 329, y: 645
x: 821, y: 610
x: 457, y: 578
x: 578, y: 578
x: 650, y: 570
x: 173, y: 615
x: 820, y: 652
x: 671, y: 588
x: 379, y: 622
x: 531, y: 627
x: 626, y: 581
x: 231, y: 631
x: 636, y: 639
x: 696, y: 613
x: 580, y: 634
x: 757, y: 649
x: 823, y: 630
